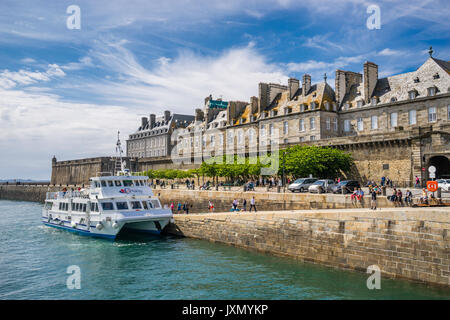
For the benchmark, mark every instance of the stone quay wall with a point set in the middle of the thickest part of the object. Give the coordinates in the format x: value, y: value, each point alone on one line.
x: 25, y: 192
x: 265, y: 201
x: 407, y: 243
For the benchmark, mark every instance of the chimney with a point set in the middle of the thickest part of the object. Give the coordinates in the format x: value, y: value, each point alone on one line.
x: 263, y: 96
x: 306, y: 85
x: 152, y: 120
x: 207, y: 99
x: 293, y: 85
x: 198, y: 115
x: 166, y: 115
x: 340, y: 87
x: 370, y: 79
x: 254, y: 104
x: 144, y: 122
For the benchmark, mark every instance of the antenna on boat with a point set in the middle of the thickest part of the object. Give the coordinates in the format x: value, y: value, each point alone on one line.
x: 119, y: 150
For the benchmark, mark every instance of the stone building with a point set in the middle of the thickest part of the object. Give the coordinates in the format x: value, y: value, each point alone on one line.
x: 153, y: 138
x: 395, y: 126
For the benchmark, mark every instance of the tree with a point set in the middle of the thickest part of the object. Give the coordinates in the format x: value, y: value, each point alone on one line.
x: 320, y: 162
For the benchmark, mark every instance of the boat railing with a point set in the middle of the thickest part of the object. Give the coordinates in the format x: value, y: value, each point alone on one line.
x: 104, y: 174
x: 66, y: 195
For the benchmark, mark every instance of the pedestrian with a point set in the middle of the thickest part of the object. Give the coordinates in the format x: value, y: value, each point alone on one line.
x: 179, y: 207
x: 360, y: 197
x: 252, y: 204
x: 424, y: 198
x: 210, y: 206
x: 383, y: 181
x: 172, y: 206
x: 234, y: 204
x: 417, y: 182
x: 399, y: 198
x: 408, y: 197
x: 373, y: 202
x: 187, y: 207
x: 244, y: 205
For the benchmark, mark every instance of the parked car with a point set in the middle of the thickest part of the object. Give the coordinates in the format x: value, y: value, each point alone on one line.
x: 444, y: 184
x: 301, y: 185
x: 321, y: 186
x: 348, y: 185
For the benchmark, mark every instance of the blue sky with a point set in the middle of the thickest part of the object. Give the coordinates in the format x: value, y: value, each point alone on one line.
x: 67, y: 92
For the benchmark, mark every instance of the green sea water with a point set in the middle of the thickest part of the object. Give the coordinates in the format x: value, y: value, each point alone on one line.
x: 34, y: 261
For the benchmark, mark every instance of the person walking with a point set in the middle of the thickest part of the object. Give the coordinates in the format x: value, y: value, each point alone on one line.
x: 252, y: 204
x: 171, y: 206
x: 373, y: 202
x: 417, y: 182
x: 234, y: 204
x: 244, y: 205
x: 179, y: 207
x: 408, y: 197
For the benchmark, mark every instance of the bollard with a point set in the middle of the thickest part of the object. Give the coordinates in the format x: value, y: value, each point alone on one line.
x: 217, y: 187
x: 278, y: 189
x: 438, y: 195
x: 383, y: 190
x: 342, y: 190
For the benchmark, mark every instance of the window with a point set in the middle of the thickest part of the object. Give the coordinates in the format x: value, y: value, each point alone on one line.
x: 313, y: 105
x: 122, y: 205
x: 346, y: 125
x: 412, y: 95
x: 312, y: 138
x: 432, y: 116
x: 346, y: 106
x: 302, y: 139
x: 328, y: 123
x: 84, y: 207
x: 118, y: 183
x: 302, y: 107
x: 107, y: 206
x: 312, y: 123
x: 374, y: 122
x: 211, y: 140
x: 327, y: 106
x: 263, y: 130
x: 240, y: 136
x: 110, y: 184
x: 154, y: 204
x: 103, y: 183
x: 301, y: 125
x: 128, y: 183
x: 374, y: 101
x: 448, y: 112
x: 335, y: 124
x: 221, y: 139
x: 412, y: 117
x: 136, y: 205
x: 285, y: 127
x: 431, y: 91
x: 360, y: 124
x: 271, y: 129
x: 359, y: 104
x: 394, y: 116
x: 251, y: 135
x: 285, y: 141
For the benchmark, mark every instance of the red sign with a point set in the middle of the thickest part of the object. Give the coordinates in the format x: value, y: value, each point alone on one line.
x: 432, y: 186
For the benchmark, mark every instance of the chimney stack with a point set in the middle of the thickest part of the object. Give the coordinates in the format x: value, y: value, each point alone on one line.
x: 144, y: 122
x: 198, y: 115
x: 254, y: 104
x: 152, y: 120
x: 306, y: 85
x: 293, y: 85
x: 263, y: 96
x: 370, y: 79
x: 166, y: 115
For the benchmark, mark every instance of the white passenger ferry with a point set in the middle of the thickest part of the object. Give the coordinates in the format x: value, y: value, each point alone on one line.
x: 113, y: 203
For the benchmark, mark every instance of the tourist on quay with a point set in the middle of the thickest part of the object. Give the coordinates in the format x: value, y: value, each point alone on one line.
x: 235, y: 204
x: 408, y: 197
x: 373, y: 202
x: 179, y: 207
x: 393, y: 197
x: 252, y: 204
x: 353, y: 197
x: 383, y: 181
x: 360, y: 197
x: 172, y: 206
x: 417, y: 182
x: 244, y: 205
x: 399, y: 198
x: 186, y: 208
x: 210, y: 206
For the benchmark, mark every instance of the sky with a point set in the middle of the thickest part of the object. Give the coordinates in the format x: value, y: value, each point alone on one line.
x: 66, y: 92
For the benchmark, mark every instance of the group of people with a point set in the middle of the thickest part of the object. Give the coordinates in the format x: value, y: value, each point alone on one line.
x: 397, y: 197
x: 185, y: 207
x: 357, y: 197
x: 235, y: 205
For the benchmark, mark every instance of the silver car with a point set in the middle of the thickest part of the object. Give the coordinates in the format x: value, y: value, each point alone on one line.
x: 444, y: 184
x: 301, y: 185
x: 321, y: 186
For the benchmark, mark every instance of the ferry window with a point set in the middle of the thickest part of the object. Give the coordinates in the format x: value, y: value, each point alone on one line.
x: 122, y: 205
x: 144, y: 204
x: 103, y: 183
x: 66, y: 206
x: 118, y: 183
x: 97, y: 185
x: 72, y: 207
x: 110, y: 184
x: 60, y: 206
x: 84, y: 207
x: 136, y: 205
x: 155, y: 204
x: 150, y: 204
x: 96, y: 207
x: 92, y: 206
x: 127, y: 183
x: 107, y: 206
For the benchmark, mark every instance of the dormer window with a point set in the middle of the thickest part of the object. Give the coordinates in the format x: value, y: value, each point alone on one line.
x: 393, y: 99
x: 302, y: 107
x: 252, y: 118
x: 412, y: 94
x: 359, y: 104
x: 334, y: 106
x: 374, y: 101
x: 327, y: 106
x: 263, y: 115
x: 436, y: 76
x: 416, y: 80
x: 431, y: 91
x: 346, y: 106
x: 313, y: 105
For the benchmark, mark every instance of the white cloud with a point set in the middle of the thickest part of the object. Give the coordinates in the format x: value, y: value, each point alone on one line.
x: 82, y: 63
x: 389, y: 52
x: 11, y: 79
